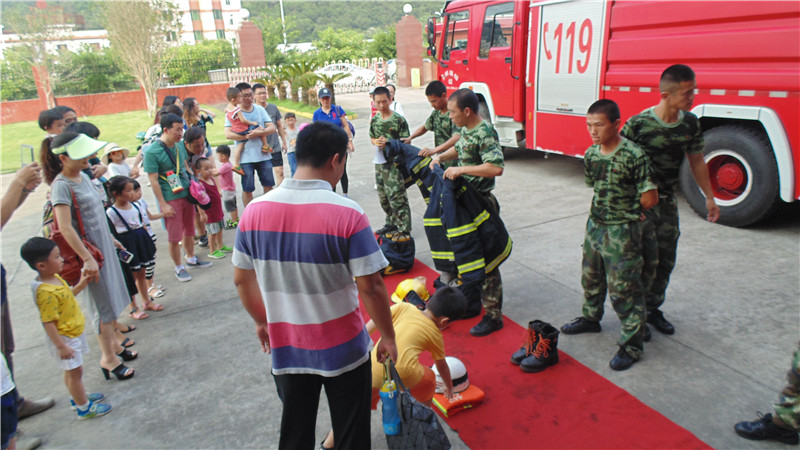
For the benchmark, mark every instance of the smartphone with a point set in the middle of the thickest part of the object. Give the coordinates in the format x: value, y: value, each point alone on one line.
x: 125, y: 256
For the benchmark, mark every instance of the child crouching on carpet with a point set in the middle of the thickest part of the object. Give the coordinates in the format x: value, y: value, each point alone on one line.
x: 62, y: 321
x: 417, y: 331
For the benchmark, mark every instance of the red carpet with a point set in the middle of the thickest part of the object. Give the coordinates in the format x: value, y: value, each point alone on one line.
x: 566, y: 406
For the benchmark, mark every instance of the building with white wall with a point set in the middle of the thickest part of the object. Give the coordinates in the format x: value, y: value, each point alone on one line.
x: 210, y: 19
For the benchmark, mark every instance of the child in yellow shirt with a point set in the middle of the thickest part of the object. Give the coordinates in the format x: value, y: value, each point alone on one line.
x: 417, y: 331
x: 63, y: 321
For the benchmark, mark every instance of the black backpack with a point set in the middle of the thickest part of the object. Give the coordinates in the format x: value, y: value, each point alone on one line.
x: 399, y: 254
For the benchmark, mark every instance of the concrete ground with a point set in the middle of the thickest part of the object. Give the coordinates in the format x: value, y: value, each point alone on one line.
x: 202, y: 382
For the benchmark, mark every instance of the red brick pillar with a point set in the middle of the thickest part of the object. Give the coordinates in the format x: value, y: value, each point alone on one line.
x: 409, y: 48
x: 251, y: 46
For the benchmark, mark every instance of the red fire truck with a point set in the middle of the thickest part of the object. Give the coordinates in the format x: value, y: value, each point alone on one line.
x: 536, y: 66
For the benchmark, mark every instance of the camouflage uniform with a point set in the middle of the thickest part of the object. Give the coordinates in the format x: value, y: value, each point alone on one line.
x: 788, y: 410
x: 391, y: 186
x: 443, y: 129
x: 612, y: 250
x: 478, y: 146
x: 665, y: 144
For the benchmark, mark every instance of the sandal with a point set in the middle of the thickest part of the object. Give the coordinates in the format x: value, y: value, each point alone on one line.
x: 238, y: 170
x: 122, y: 372
x: 138, y: 315
x: 152, y: 306
x: 155, y: 292
x: 127, y: 330
x: 127, y: 355
x: 125, y: 343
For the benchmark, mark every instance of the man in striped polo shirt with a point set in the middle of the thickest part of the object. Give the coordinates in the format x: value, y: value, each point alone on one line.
x: 302, y: 246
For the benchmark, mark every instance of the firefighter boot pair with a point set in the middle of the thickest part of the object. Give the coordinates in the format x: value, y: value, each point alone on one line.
x: 540, y: 349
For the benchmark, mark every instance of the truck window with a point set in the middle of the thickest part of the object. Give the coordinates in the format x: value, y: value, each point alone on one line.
x: 497, y: 24
x: 455, y: 37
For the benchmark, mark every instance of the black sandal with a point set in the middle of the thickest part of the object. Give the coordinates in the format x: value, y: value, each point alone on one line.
x: 122, y: 372
x: 127, y: 355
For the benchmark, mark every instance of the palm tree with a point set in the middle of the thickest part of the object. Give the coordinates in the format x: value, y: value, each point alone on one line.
x: 329, y: 79
x: 297, y: 73
x: 270, y: 81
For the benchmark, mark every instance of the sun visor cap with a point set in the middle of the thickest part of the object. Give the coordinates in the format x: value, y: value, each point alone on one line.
x: 81, y: 147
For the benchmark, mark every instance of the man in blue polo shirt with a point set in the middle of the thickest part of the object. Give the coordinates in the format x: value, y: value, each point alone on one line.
x: 254, y: 161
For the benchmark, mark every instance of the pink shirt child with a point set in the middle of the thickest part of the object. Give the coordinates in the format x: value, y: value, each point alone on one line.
x: 226, y: 177
x: 237, y: 126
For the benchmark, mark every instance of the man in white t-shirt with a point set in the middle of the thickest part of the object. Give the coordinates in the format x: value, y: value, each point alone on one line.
x: 253, y: 161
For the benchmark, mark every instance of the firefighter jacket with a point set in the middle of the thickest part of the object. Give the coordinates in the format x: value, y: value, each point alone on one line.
x: 465, y: 234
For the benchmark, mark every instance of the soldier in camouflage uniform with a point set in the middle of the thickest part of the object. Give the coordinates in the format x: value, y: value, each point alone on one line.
x: 784, y: 425
x: 667, y: 132
x: 621, y: 176
x: 480, y: 160
x: 386, y: 125
x: 445, y: 132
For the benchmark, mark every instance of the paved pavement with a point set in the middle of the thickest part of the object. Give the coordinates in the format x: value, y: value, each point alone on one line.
x: 202, y: 382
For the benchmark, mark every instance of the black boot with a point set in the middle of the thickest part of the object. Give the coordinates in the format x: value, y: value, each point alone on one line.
x: 546, y: 352
x: 656, y: 318
x: 764, y: 428
x: 486, y: 326
x: 529, y: 344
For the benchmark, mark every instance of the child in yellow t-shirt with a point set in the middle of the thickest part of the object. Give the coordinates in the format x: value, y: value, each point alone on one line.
x: 417, y: 331
x: 62, y: 321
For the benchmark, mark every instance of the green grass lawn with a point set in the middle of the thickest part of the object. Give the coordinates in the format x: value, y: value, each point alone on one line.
x: 120, y: 128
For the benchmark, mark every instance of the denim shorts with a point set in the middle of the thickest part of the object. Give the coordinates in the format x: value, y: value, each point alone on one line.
x: 277, y: 157
x: 264, y: 171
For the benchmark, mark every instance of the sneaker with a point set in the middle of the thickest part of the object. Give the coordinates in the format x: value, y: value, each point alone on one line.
x: 226, y: 249
x: 581, y: 325
x: 230, y: 224
x: 486, y: 326
x: 764, y: 428
x: 203, y: 239
x: 621, y: 361
x: 183, y: 275
x: 94, y: 398
x: 216, y: 255
x: 94, y: 410
x: 198, y: 264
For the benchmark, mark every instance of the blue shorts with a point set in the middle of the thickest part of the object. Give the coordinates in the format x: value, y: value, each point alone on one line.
x: 264, y: 170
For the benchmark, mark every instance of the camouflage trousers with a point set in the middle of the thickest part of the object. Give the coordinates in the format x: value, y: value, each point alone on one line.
x: 392, y: 196
x: 660, y: 232
x: 492, y: 294
x: 788, y: 408
x: 612, y: 261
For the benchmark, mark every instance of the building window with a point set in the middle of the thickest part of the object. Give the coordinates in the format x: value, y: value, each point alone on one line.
x: 456, y: 33
x: 217, y: 14
x: 172, y: 37
x: 61, y: 47
x: 231, y: 19
x: 198, y: 35
x: 228, y: 2
x: 195, y: 14
x: 220, y: 34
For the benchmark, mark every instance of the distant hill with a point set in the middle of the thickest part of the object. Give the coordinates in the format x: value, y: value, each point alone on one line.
x: 311, y: 17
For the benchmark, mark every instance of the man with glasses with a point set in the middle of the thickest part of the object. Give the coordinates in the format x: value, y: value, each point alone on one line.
x: 253, y: 161
x: 274, y: 140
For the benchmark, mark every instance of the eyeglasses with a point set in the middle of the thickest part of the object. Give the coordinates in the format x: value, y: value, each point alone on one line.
x: 247, y: 95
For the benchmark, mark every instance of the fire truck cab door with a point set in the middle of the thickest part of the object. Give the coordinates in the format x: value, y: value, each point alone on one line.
x: 570, y: 40
x: 493, y: 57
x: 455, y: 57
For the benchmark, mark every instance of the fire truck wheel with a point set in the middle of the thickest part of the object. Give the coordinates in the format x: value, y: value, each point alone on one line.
x: 483, y: 111
x: 743, y: 174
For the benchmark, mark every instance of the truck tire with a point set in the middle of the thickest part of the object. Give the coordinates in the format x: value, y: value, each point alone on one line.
x: 743, y: 174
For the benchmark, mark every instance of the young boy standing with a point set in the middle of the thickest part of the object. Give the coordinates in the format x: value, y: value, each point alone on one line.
x: 622, y: 179
x: 204, y: 168
x: 63, y: 321
x: 480, y: 160
x: 445, y: 132
x: 227, y: 186
x: 291, y: 138
x: 384, y: 126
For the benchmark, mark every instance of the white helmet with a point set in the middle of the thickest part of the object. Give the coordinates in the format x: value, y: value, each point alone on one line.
x: 458, y: 372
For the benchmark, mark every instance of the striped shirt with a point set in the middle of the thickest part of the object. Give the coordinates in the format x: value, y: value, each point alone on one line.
x: 305, y: 244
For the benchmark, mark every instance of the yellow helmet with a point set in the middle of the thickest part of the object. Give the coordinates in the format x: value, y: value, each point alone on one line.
x: 411, y: 284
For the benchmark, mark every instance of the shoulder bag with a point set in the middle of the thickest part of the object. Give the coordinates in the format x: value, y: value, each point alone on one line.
x: 71, y: 273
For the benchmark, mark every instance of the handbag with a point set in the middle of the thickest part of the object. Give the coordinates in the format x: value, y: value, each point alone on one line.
x: 71, y: 273
x: 420, y: 427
